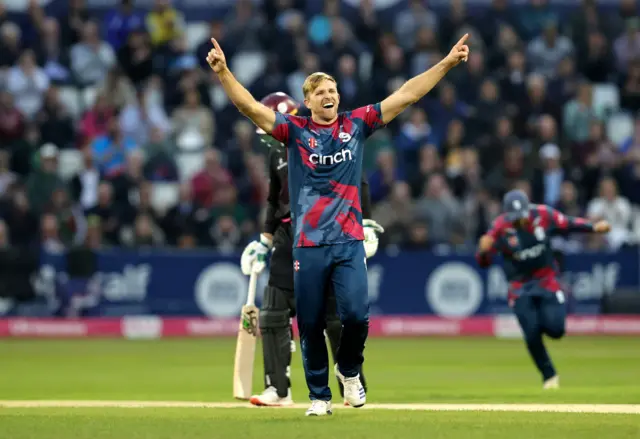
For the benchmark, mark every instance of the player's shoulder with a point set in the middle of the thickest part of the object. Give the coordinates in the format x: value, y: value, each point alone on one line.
x: 500, y: 223
x: 361, y: 112
x: 301, y: 122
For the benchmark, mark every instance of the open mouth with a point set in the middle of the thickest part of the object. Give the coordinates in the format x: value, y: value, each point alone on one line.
x: 327, y: 105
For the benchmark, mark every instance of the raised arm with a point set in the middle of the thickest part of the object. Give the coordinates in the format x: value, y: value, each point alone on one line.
x: 263, y: 117
x: 568, y: 224
x: 417, y: 87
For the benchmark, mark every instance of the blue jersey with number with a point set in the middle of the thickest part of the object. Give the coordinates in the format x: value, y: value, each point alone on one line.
x: 325, y: 171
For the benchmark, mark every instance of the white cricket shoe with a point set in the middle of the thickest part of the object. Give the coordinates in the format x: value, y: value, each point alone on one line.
x: 552, y: 383
x: 354, y: 394
x: 270, y: 398
x: 319, y: 408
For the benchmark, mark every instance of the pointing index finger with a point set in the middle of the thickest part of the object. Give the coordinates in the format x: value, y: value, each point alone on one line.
x: 216, y: 45
x: 463, y: 40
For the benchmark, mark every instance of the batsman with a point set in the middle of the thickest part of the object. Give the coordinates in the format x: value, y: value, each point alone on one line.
x: 522, y: 236
x: 278, y: 305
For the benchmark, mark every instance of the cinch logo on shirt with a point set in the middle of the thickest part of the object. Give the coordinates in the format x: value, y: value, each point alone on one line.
x: 530, y: 253
x: 338, y: 157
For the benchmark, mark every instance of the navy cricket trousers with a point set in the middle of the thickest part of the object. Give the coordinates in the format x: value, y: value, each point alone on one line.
x: 540, y: 312
x: 344, y: 265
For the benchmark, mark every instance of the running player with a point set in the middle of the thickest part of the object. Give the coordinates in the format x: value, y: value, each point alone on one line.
x: 522, y: 236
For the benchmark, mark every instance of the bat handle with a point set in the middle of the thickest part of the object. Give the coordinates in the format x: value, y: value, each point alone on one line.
x: 253, y: 281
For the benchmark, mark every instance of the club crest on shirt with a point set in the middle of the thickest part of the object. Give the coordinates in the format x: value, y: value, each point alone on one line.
x: 312, y: 143
x: 344, y: 137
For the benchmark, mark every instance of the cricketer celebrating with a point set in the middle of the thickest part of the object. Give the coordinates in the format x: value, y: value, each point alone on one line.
x: 522, y: 236
x: 325, y: 154
x: 278, y: 305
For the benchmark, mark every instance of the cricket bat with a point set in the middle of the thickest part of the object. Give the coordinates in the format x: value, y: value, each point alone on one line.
x: 246, y: 344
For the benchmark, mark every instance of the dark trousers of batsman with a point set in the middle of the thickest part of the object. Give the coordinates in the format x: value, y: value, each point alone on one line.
x: 278, y: 307
x: 342, y: 266
x: 540, y: 312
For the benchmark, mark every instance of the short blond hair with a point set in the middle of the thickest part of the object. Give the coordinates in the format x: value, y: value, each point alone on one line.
x: 313, y: 81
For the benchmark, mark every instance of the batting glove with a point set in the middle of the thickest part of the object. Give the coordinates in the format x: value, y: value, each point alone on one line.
x: 254, y: 256
x: 371, y: 230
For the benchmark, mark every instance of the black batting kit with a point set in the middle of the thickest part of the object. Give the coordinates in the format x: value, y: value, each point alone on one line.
x: 278, y: 304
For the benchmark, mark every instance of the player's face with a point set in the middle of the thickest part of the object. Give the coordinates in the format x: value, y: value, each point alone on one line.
x: 323, y: 101
x: 521, y: 223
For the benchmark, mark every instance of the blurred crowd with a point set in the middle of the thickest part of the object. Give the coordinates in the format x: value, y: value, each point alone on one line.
x: 114, y: 132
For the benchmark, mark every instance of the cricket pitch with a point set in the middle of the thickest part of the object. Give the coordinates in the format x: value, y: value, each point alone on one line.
x: 633, y: 409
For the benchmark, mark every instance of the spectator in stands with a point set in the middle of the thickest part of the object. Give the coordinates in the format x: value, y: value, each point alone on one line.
x: 208, y: 183
x: 451, y: 149
x: 42, y: 182
x: 92, y: 58
x: 535, y: 104
x: 118, y: 89
x: 160, y: 164
x: 505, y: 174
x: 395, y: 213
x: 49, y: 235
x: 5, y: 243
x: 10, y: 44
x: 579, y: 114
x: 227, y: 205
x: 388, y: 172
x: 141, y: 116
x: 164, y: 23
x: 428, y: 163
x: 547, y: 181
x: 439, y: 210
x: 627, y: 46
x: 136, y: 57
x: 630, y: 87
x: 512, y: 81
x: 193, y: 118
x: 442, y: 111
x: 146, y: 232
x: 27, y: 83
x: 182, y: 218
x: 72, y: 24
x: 491, y: 144
x: 547, y: 51
x: 96, y: 121
x: 225, y: 234
x: 72, y: 224
x: 21, y: 220
x: 110, y: 150
x: 408, y: 22
x: 615, y: 209
x: 52, y: 55
x: 597, y: 64
x: 245, y: 25
x: 125, y: 184
x: 630, y: 172
x: 120, y: 22
x: 508, y: 43
x: 414, y: 133
x: 352, y: 90
x: 564, y: 85
x: 84, y: 185
x: 56, y: 125
x: 141, y: 204
x: 107, y: 213
x: 468, y: 80
x: 488, y: 109
x: 12, y: 123
x: 7, y: 178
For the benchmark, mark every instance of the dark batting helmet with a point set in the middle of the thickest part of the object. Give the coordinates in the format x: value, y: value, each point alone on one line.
x: 282, y: 103
x: 515, y: 205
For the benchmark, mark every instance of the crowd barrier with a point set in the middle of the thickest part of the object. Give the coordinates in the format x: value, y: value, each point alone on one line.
x: 171, y: 293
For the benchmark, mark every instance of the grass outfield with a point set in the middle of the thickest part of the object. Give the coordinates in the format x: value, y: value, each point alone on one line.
x: 428, y: 370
